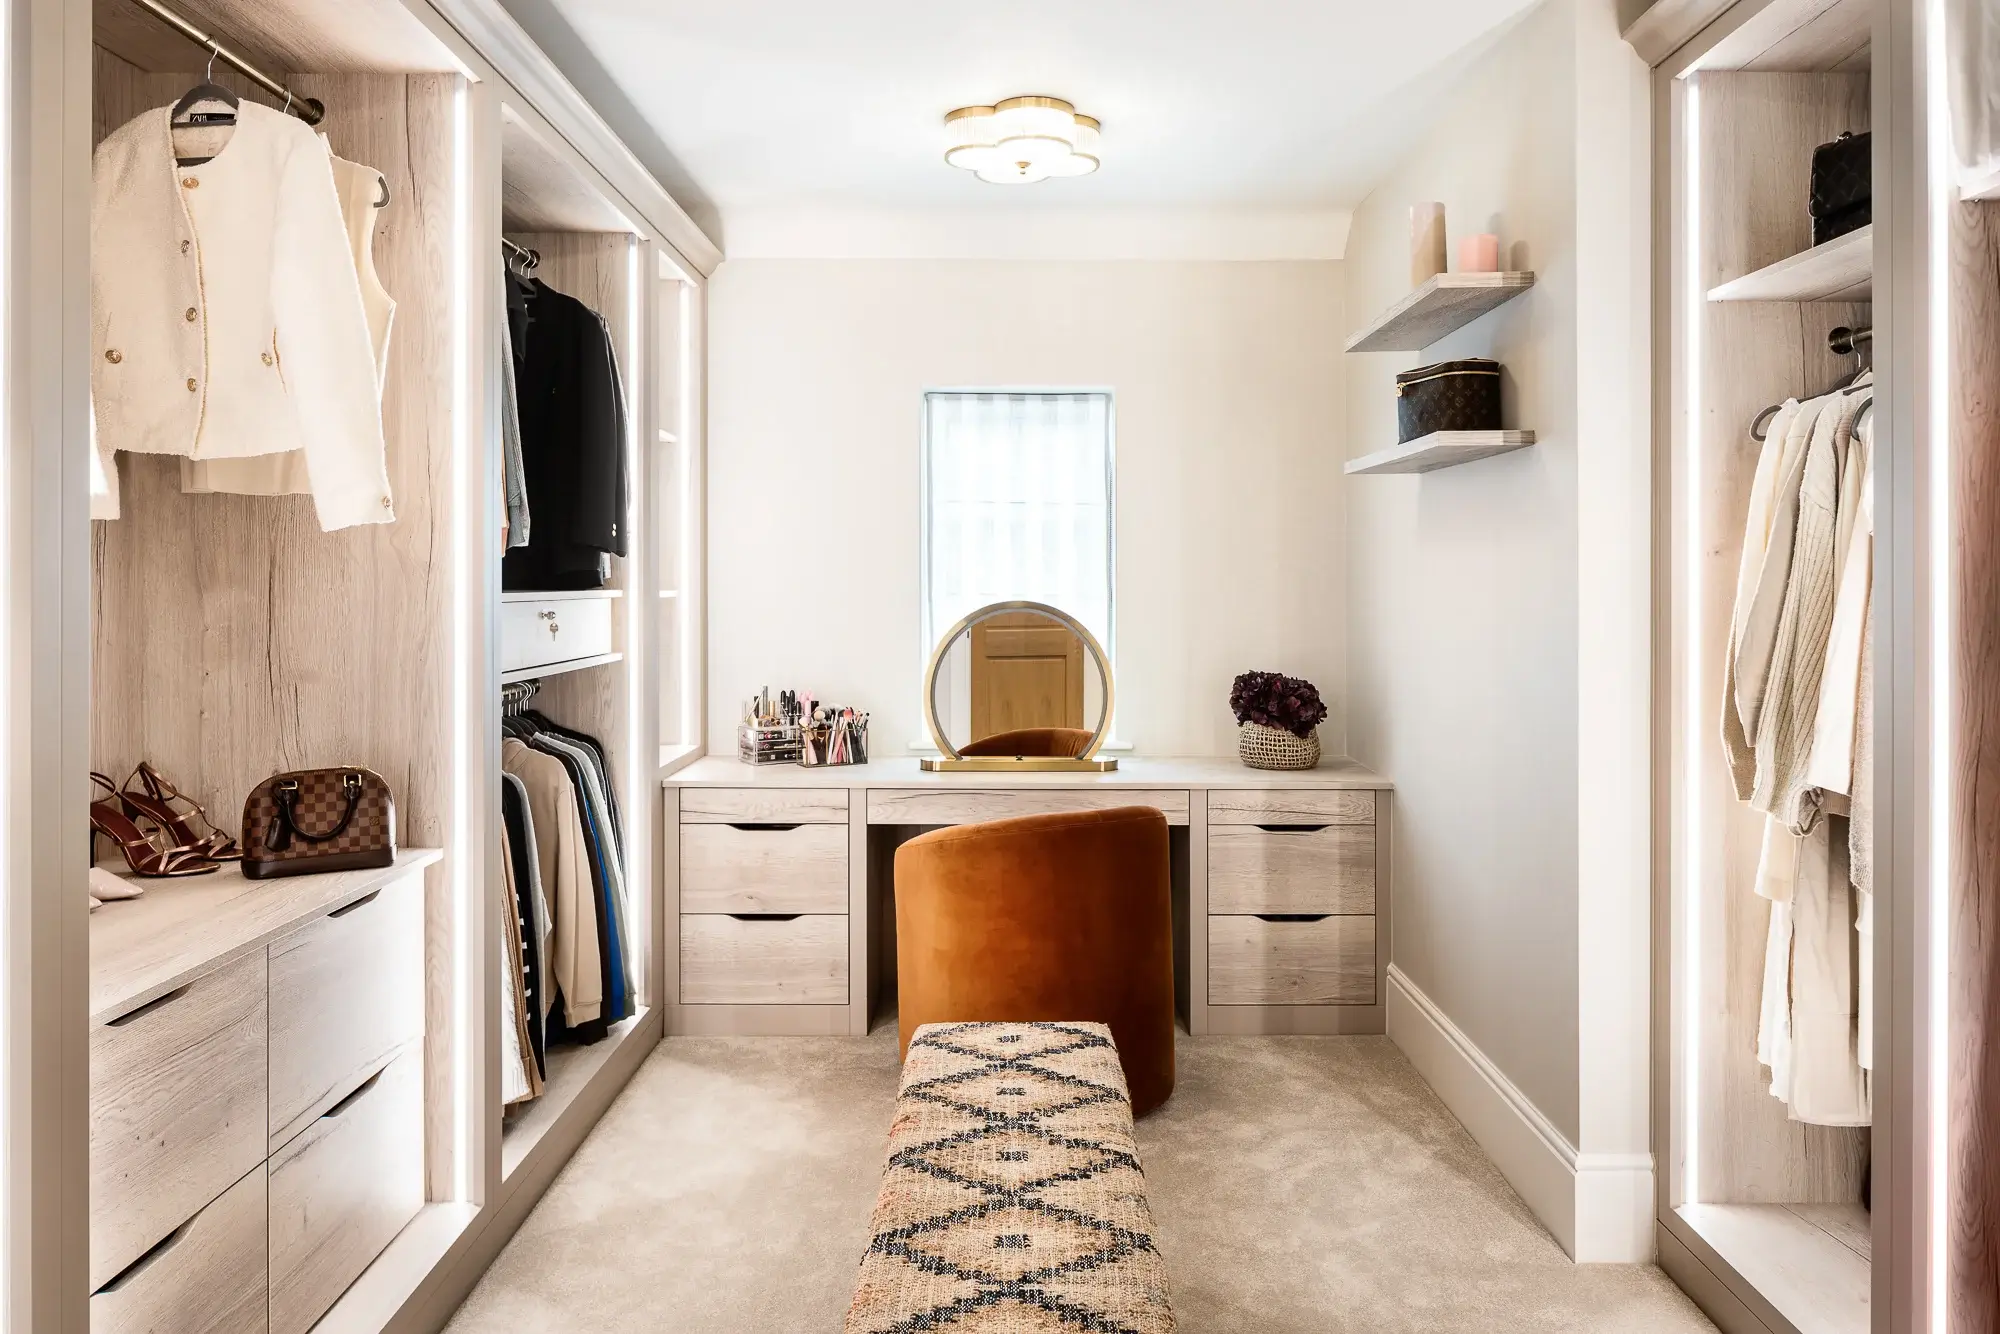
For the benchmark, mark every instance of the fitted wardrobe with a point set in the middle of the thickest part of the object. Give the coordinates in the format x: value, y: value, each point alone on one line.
x: 293, y: 1103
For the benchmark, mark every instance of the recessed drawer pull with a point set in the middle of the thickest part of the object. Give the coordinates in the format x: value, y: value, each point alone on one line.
x: 1294, y: 828
x: 355, y: 1096
x: 145, y: 1262
x: 767, y: 916
x: 764, y: 828
x: 1292, y: 916
x: 357, y: 905
x: 157, y: 1003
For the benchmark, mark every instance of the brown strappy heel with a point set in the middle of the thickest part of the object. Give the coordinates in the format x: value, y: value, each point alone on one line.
x: 156, y: 803
x: 145, y: 857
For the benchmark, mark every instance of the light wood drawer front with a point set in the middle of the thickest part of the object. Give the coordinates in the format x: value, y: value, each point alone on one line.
x: 1294, y: 806
x: 763, y: 805
x: 764, y: 869
x: 177, y: 1106
x: 347, y: 990
x: 1327, y: 961
x: 764, y: 961
x: 959, y: 806
x: 539, y: 634
x: 1328, y: 869
x: 211, y: 1274
x: 343, y: 1189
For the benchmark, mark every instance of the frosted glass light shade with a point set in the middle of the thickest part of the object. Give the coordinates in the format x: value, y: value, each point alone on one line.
x: 1023, y: 140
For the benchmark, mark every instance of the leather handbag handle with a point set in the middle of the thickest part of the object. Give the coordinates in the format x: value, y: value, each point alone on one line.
x: 286, y: 792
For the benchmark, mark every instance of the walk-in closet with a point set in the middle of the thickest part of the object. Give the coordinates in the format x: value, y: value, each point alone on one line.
x: 1766, y: 896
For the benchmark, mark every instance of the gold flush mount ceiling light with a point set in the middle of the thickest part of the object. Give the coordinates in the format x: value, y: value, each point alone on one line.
x: 1022, y: 140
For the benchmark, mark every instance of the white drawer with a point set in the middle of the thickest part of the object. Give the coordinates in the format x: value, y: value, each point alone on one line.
x: 1318, y: 961
x: 1291, y: 806
x: 764, y: 961
x: 177, y: 1105
x: 211, y: 1274
x: 543, y: 633
x: 347, y: 990
x: 1296, y: 869
x: 343, y: 1189
x: 763, y: 805
x: 764, y: 869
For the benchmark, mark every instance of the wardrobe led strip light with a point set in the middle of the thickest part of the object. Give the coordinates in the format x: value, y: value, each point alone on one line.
x: 683, y: 450
x: 465, y: 935
x: 1939, y: 178
x: 1694, y: 735
x: 637, y: 771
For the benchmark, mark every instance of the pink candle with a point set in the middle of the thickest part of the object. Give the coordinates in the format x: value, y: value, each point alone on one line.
x: 1479, y: 254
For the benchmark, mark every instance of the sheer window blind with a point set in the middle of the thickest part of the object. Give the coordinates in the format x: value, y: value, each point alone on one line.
x: 1017, y: 494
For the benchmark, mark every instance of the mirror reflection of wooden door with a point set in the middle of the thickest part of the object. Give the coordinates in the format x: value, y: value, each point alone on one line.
x: 1027, y: 671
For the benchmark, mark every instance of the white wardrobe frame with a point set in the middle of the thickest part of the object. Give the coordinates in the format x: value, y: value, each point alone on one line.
x: 45, y: 71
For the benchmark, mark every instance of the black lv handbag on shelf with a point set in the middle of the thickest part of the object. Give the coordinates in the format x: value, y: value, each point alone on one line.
x: 1450, y: 396
x: 318, y: 820
x: 1842, y: 187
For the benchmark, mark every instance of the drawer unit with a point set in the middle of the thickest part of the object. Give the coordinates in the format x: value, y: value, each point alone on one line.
x: 739, y: 960
x: 763, y: 805
x: 543, y: 633
x: 347, y: 990
x: 1291, y: 807
x: 768, y: 868
x: 1291, y: 869
x: 177, y: 1109
x: 343, y: 1189
x: 210, y: 1274
x: 1284, y: 960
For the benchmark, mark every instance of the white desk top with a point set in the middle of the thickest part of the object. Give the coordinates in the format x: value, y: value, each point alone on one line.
x: 140, y: 949
x: 1133, y: 771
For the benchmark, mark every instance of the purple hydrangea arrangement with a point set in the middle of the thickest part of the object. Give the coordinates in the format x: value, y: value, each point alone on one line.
x: 1277, y: 700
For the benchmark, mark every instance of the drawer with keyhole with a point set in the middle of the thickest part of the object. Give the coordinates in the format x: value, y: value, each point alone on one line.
x: 544, y: 633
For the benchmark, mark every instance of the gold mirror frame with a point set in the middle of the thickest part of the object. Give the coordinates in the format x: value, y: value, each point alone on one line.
x: 950, y: 761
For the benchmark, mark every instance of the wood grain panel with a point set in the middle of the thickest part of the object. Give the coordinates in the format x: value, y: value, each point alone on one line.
x: 763, y: 805
x: 342, y: 1190
x: 327, y: 35
x: 796, y: 961
x: 211, y: 1274
x: 725, y: 869
x: 1758, y: 133
x: 1290, y: 806
x: 1974, y: 422
x: 1252, y: 961
x: 1323, y: 870
x: 176, y: 1109
x: 961, y: 806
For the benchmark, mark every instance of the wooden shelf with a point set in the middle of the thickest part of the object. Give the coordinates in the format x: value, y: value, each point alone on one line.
x: 1809, y: 1261
x: 1842, y: 269
x: 1445, y: 304
x: 1440, y: 449
x: 563, y: 595
x: 559, y: 668
x: 570, y: 1071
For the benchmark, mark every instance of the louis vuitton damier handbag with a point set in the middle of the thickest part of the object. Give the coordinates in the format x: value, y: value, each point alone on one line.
x: 318, y: 820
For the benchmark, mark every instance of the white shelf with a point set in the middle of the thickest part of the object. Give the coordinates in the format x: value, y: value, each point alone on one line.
x: 1842, y: 269
x: 668, y: 437
x: 559, y: 668
x: 1811, y: 1262
x: 670, y: 592
x: 1440, y: 449
x: 563, y: 595
x: 1444, y: 305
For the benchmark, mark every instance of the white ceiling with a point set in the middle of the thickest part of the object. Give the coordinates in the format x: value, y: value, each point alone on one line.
x: 1272, y: 112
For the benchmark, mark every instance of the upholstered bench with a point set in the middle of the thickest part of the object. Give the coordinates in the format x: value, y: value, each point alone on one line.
x: 1013, y: 1200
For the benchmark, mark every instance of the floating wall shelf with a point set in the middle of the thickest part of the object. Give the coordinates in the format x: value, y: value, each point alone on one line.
x: 1441, y: 449
x: 562, y: 595
x: 1842, y: 269
x: 1445, y: 304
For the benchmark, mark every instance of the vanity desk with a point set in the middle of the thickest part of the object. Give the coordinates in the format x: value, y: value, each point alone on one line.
x: 784, y: 881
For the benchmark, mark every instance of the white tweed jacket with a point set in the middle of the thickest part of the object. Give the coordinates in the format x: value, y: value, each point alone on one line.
x: 226, y: 317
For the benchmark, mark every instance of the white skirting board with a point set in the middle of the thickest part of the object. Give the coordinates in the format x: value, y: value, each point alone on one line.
x: 1599, y: 1206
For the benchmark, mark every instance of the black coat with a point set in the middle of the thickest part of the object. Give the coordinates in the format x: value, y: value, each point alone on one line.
x: 572, y: 441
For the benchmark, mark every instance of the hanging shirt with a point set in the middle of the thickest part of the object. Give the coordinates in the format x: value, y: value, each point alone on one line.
x: 226, y: 316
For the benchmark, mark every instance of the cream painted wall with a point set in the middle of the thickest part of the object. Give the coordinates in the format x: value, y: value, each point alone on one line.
x: 1229, y: 409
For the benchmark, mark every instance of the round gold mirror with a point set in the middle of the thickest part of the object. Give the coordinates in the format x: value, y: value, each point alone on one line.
x: 1018, y: 685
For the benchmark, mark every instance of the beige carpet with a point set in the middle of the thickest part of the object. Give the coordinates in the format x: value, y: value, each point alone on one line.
x: 1298, y: 1185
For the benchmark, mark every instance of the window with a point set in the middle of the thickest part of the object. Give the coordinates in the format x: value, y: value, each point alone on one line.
x: 1017, y: 506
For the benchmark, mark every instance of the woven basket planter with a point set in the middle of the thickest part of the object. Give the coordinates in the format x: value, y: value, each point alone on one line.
x: 1261, y: 747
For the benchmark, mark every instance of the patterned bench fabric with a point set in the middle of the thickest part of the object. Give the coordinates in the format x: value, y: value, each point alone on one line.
x: 1013, y: 1201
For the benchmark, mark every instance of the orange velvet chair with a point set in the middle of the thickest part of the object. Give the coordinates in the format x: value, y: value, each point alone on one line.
x: 1047, y: 917
x: 1040, y: 742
